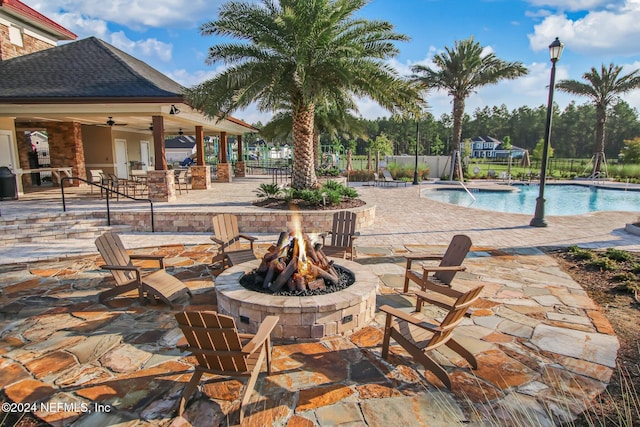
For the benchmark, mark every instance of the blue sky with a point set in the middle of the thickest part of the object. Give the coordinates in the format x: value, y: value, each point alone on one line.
x: 165, y: 34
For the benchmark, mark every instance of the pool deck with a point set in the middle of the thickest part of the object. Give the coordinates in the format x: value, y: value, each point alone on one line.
x: 545, y: 350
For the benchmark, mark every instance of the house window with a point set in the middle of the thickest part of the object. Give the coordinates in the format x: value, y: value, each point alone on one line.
x: 15, y: 36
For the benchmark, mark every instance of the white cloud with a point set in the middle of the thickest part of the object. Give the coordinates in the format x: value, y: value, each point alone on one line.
x: 614, y: 31
x: 136, y: 14
x: 145, y: 48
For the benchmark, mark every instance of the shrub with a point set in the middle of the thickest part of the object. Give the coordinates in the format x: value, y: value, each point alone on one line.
x: 341, y: 189
x: 602, y: 264
x: 618, y: 255
x: 625, y: 277
x: 578, y: 253
x: 629, y: 286
x: 312, y: 197
x: 333, y: 197
x: 269, y: 190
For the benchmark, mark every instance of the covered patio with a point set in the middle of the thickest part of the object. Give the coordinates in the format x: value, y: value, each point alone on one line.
x: 104, y: 109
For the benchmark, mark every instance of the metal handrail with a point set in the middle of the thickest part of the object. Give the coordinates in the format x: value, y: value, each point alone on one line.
x: 107, y: 191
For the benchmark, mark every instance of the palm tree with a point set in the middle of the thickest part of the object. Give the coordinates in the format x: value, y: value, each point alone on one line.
x: 299, y: 53
x: 460, y: 71
x: 603, y: 88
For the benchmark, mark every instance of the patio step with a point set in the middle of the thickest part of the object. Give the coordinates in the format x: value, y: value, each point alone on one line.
x: 46, y: 228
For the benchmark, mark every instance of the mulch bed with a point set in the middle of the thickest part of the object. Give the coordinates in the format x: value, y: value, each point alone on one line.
x: 623, y: 312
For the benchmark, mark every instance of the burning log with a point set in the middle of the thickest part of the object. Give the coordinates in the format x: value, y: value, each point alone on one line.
x: 326, y: 275
x: 298, y: 263
x: 300, y: 282
x: 284, y: 275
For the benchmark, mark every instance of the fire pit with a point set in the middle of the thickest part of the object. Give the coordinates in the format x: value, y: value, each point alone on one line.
x: 337, y: 313
x: 322, y: 299
x: 297, y: 266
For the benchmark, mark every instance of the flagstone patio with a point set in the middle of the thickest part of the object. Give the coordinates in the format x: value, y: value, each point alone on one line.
x: 544, y: 350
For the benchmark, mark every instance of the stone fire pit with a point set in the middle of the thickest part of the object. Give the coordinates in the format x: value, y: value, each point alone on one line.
x: 337, y: 313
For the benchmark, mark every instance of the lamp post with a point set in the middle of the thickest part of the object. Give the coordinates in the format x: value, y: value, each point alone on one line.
x: 555, y: 50
x: 415, y: 169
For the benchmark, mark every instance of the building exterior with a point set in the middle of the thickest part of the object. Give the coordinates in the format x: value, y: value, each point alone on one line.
x: 24, y: 31
x: 491, y: 148
x: 100, y: 107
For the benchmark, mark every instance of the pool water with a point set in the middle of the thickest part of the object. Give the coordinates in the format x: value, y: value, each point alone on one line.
x: 560, y: 199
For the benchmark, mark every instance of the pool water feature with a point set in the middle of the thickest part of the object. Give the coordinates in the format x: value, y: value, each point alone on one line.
x: 560, y: 199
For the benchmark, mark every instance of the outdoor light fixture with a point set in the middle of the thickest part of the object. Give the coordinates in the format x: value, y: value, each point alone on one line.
x: 555, y: 51
x: 151, y: 126
x: 174, y: 110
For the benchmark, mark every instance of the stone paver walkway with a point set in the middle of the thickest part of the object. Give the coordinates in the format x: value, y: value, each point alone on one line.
x: 544, y: 351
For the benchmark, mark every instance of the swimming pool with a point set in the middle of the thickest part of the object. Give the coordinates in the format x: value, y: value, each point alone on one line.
x: 561, y: 199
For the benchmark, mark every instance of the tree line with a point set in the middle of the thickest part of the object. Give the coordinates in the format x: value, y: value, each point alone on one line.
x: 572, y: 133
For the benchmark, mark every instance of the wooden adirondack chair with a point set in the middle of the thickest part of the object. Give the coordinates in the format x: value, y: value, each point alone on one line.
x: 216, y: 344
x: 157, y: 285
x: 418, y: 334
x: 443, y: 274
x: 343, y: 233
x: 227, y: 236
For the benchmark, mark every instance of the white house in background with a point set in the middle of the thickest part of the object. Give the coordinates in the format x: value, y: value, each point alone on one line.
x: 40, y: 141
x: 488, y: 147
x: 179, y: 148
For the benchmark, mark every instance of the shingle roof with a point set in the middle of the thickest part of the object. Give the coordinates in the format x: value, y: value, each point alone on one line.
x: 88, y: 69
x: 183, y: 141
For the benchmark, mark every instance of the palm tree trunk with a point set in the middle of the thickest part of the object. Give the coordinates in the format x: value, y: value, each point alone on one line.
x: 601, y: 117
x: 458, y: 113
x: 304, y: 174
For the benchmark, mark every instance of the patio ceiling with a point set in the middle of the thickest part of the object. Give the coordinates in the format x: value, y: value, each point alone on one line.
x: 130, y: 117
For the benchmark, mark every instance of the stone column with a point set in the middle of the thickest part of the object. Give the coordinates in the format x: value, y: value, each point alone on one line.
x: 200, y: 177
x: 240, y: 168
x: 161, y: 185
x: 66, y: 149
x: 224, y: 172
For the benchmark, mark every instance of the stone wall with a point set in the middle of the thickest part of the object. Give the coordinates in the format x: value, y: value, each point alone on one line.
x: 224, y: 172
x: 248, y: 222
x: 200, y: 177
x: 30, y: 44
x: 65, y: 147
x: 162, y: 188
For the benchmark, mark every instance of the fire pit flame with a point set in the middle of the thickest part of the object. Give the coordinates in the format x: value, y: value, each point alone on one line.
x: 297, y: 262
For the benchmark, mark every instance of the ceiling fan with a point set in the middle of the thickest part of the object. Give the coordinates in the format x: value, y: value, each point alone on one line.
x: 111, y: 122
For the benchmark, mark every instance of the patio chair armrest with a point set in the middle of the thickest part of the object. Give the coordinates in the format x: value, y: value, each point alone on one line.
x: 217, y: 241
x: 265, y: 329
x: 251, y: 239
x: 432, y: 269
x: 409, y: 318
x: 159, y: 258
x: 423, y: 257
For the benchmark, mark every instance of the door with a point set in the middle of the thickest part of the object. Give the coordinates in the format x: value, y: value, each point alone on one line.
x: 144, y: 155
x: 122, y: 160
x: 6, y: 150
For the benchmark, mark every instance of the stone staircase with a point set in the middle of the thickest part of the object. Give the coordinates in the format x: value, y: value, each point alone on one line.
x: 52, y: 227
